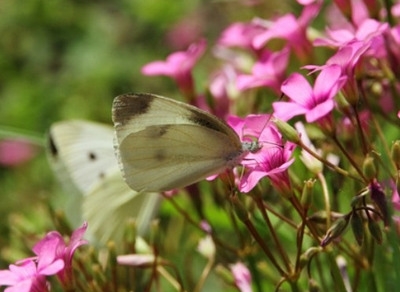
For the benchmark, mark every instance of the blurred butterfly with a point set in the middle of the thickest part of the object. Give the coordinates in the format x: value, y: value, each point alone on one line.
x: 164, y: 144
x: 82, y: 155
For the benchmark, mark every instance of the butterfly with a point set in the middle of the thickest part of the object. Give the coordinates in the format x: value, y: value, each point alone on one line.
x: 164, y: 144
x: 82, y: 156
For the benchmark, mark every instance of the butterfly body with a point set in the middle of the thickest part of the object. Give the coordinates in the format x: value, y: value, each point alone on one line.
x: 163, y: 144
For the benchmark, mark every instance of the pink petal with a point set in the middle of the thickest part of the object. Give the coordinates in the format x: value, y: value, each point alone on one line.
x: 286, y: 110
x: 320, y: 111
x: 297, y: 88
x: 249, y: 181
x: 156, y: 68
x: 52, y: 268
x: 23, y: 286
x: 326, y: 82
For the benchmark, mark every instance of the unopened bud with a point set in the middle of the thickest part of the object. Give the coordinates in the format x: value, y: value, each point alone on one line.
x: 395, y: 153
x: 307, y: 195
x: 313, y: 285
x: 369, y: 168
x: 375, y: 230
x: 224, y: 274
x: 359, y: 198
x: 379, y: 198
x: 287, y: 131
x: 336, y: 230
x: 357, y: 227
x: 308, y: 254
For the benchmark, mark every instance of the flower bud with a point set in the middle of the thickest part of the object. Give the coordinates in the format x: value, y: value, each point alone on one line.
x: 206, y: 247
x: 359, y: 198
x: 313, y: 285
x: 336, y: 230
x: 369, y: 168
x: 321, y: 216
x: 287, y: 131
x: 375, y: 230
x: 357, y: 227
x: 379, y: 198
x: 308, y: 254
x: 395, y: 153
x: 307, y: 195
x: 224, y: 274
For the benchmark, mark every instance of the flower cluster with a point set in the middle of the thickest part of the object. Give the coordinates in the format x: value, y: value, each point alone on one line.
x: 53, y: 257
x: 341, y: 87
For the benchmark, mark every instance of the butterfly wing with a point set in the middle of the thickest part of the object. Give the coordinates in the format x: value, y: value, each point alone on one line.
x: 110, y: 203
x: 81, y: 151
x: 82, y: 155
x: 163, y: 144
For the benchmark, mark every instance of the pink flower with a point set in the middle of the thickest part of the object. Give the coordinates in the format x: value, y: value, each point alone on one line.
x: 178, y: 66
x: 314, y: 103
x: 53, y: 247
x: 271, y: 160
x: 348, y: 58
x: 241, y: 34
x: 292, y: 30
x: 53, y: 257
x: 186, y: 31
x: 14, y: 152
x: 369, y: 31
x: 26, y: 276
x: 269, y: 71
x: 242, y: 277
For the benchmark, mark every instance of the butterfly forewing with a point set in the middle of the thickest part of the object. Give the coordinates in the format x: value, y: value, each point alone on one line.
x: 72, y: 152
x: 164, y: 144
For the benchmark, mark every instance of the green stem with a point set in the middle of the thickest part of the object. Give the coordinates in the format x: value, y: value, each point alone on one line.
x: 327, y: 163
x: 326, y: 199
x: 281, y: 251
x: 265, y: 248
x: 349, y: 158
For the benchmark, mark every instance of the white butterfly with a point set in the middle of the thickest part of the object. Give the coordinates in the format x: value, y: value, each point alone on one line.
x: 163, y: 144
x: 82, y: 155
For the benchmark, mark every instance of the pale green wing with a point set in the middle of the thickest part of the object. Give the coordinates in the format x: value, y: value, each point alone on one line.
x: 82, y: 151
x: 162, y: 158
x: 109, y: 204
x: 135, y: 112
x: 82, y: 155
x: 163, y: 144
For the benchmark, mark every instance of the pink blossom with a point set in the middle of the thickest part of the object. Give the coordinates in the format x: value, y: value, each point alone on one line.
x: 272, y: 159
x: 53, y: 257
x: 242, y: 277
x: 314, y: 103
x: 14, y: 152
x: 348, y: 58
x: 25, y: 276
x: 53, y: 247
x: 292, y: 30
x: 186, y: 31
x: 241, y: 34
x: 269, y: 71
x: 369, y: 31
x: 178, y: 66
